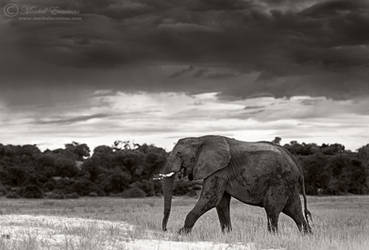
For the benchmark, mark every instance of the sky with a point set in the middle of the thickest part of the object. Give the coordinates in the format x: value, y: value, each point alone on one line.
x: 154, y: 71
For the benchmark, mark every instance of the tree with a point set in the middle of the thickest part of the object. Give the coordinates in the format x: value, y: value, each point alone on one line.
x: 332, y: 149
x: 28, y: 172
x: 363, y: 154
x: 78, y: 150
x: 315, y: 173
x: 301, y: 149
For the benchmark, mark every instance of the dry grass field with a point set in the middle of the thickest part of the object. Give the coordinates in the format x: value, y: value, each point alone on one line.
x: 339, y: 223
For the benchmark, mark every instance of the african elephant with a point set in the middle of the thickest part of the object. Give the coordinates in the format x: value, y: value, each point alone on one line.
x: 256, y: 173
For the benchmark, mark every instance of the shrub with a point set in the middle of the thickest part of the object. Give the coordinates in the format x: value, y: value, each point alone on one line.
x: 32, y: 192
x: 3, y: 191
x: 115, y: 195
x: 133, y: 192
x: 92, y: 194
x: 84, y: 187
x: 55, y: 195
x: 72, y: 196
x: 49, y: 185
x: 182, y: 187
x: 12, y: 195
x: 145, y: 185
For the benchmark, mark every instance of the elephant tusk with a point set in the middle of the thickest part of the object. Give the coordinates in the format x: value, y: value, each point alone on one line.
x: 163, y: 176
x: 167, y: 175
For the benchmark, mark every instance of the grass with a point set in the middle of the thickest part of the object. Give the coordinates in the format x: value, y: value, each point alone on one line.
x: 339, y: 222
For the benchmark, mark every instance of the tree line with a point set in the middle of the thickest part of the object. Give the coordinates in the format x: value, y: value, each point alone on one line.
x: 332, y: 170
x: 127, y: 170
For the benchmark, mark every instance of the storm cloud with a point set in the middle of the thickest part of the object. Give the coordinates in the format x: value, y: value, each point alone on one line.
x: 294, y: 47
x: 152, y: 68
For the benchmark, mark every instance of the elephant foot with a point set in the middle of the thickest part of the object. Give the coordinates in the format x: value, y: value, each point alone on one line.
x: 226, y: 230
x: 307, y: 231
x: 184, y: 230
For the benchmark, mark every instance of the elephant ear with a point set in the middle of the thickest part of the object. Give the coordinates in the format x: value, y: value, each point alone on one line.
x: 213, y: 155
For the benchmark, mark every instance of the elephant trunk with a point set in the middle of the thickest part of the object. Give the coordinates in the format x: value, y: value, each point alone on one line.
x: 168, y: 191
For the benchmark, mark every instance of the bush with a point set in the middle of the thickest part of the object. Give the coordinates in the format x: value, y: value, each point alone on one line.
x: 32, y: 192
x: 84, y: 187
x: 12, y: 195
x: 93, y: 194
x: 133, y: 192
x: 145, y: 185
x: 3, y: 191
x: 115, y: 195
x: 49, y: 185
x: 55, y: 195
x: 72, y: 196
x: 182, y: 187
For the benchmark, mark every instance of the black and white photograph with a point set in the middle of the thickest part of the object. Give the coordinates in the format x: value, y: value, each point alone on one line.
x: 184, y: 124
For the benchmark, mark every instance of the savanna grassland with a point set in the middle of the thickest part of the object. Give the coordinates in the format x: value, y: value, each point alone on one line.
x: 340, y: 222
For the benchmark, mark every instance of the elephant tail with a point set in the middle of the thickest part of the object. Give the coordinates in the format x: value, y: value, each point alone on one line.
x: 306, y: 211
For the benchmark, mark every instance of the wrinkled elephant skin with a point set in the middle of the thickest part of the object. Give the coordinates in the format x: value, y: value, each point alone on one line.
x: 256, y: 173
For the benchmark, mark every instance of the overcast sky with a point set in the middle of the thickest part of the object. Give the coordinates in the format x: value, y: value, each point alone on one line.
x: 157, y: 70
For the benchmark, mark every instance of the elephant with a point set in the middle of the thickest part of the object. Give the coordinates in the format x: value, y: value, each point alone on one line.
x: 262, y: 174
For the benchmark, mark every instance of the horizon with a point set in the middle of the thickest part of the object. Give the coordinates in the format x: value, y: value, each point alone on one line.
x: 168, y: 148
x: 155, y: 71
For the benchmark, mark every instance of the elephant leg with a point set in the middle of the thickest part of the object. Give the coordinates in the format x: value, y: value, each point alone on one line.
x: 274, y: 202
x: 272, y: 218
x: 211, y: 194
x: 224, y: 213
x: 294, y: 210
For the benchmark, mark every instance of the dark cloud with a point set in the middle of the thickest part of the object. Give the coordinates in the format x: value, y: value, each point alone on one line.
x: 182, y: 72
x: 296, y: 47
x: 335, y: 7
